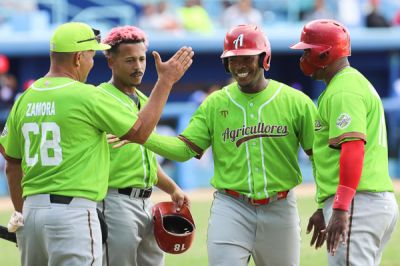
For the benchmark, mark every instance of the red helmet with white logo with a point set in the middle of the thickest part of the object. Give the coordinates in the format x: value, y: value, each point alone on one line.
x: 247, y: 40
x: 173, y: 231
x: 327, y: 39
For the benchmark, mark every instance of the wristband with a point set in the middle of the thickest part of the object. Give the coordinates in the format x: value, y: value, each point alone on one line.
x: 344, y: 195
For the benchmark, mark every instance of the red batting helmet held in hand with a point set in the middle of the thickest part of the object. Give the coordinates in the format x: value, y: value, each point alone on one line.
x: 246, y: 40
x: 174, y: 231
x: 327, y: 39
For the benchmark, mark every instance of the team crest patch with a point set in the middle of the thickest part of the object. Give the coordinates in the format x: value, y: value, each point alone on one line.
x: 343, y: 121
x: 224, y: 113
x: 5, y: 132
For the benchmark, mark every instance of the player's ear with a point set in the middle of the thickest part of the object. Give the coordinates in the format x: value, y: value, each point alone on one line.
x: 76, y: 59
x: 110, y: 60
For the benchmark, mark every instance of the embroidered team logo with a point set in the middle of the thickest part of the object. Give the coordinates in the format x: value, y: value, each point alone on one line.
x: 224, y: 113
x: 238, y: 42
x: 343, y: 121
x: 5, y: 131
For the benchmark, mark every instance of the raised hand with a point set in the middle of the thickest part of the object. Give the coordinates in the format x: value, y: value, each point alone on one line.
x: 173, y: 69
x: 317, y: 223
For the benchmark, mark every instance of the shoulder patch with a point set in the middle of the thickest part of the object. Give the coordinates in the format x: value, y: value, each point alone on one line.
x: 343, y: 121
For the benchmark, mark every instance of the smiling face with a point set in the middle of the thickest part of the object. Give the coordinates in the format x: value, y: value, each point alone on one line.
x: 128, y: 64
x: 247, y: 72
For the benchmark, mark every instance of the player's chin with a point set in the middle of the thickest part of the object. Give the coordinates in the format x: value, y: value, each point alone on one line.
x: 136, y: 81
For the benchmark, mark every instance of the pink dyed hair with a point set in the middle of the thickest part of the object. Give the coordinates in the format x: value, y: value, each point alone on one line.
x: 125, y: 34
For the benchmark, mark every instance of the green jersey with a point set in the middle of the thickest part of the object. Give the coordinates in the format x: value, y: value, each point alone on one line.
x: 131, y: 165
x: 255, y: 138
x: 349, y: 109
x: 57, y: 129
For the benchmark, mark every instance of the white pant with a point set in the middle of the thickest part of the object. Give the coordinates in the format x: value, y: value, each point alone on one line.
x: 237, y: 230
x: 59, y: 234
x: 373, y: 218
x: 131, y: 239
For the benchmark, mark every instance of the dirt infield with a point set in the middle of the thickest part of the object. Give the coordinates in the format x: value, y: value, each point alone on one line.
x: 200, y: 194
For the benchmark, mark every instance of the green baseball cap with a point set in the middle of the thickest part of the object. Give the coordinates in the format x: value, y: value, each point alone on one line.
x: 76, y: 37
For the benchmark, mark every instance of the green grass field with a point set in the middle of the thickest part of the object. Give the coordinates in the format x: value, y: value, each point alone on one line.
x: 197, y: 255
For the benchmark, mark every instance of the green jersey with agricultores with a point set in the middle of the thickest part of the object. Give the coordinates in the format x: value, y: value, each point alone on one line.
x: 131, y: 165
x: 349, y: 109
x: 255, y: 138
x: 57, y: 129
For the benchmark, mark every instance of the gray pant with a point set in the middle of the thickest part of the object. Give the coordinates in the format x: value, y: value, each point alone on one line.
x: 131, y: 239
x: 237, y: 230
x: 59, y: 234
x: 373, y: 220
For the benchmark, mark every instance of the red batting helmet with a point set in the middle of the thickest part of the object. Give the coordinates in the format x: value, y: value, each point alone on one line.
x: 246, y: 40
x: 327, y: 39
x: 174, y: 231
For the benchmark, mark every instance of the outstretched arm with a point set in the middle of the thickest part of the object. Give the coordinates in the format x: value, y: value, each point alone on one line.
x: 172, y: 148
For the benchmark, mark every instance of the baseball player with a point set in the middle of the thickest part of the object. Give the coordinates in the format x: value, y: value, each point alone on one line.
x: 57, y: 153
x: 133, y: 168
x: 255, y: 127
x: 354, y: 189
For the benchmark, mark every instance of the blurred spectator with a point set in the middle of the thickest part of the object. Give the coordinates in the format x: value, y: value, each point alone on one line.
x: 8, y: 89
x: 319, y: 11
x: 242, y: 12
x: 20, y: 5
x: 374, y: 18
x: 199, y: 96
x: 23, y: 15
x: 25, y: 86
x: 194, y: 17
x: 4, y: 64
x: 396, y: 19
x: 158, y: 17
x: 349, y: 13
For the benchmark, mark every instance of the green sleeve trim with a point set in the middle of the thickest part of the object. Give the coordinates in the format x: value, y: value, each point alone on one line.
x: 171, y: 148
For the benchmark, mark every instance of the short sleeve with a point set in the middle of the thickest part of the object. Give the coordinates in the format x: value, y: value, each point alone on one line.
x: 198, y: 131
x: 110, y: 114
x: 9, y: 139
x: 347, y: 118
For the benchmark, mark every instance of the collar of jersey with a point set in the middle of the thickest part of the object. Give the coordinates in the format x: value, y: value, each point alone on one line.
x: 61, y: 81
x: 265, y: 94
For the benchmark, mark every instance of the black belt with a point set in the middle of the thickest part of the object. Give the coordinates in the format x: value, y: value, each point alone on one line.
x: 60, y: 199
x: 140, y: 193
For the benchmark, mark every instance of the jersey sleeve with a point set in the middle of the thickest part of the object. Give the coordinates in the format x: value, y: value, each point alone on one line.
x: 110, y: 114
x: 171, y: 148
x: 307, y: 124
x: 197, y: 134
x: 9, y: 139
x: 347, y: 118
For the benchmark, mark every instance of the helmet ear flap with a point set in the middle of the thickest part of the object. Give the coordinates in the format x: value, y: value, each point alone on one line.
x: 225, y: 63
x: 261, y: 60
x: 264, y: 61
